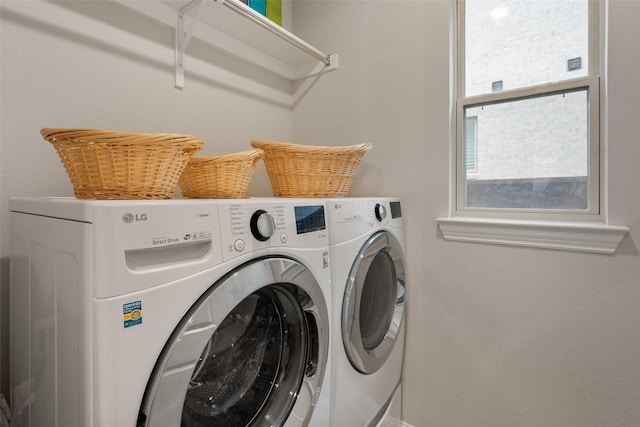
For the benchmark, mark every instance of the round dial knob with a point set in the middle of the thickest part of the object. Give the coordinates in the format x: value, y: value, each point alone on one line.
x: 262, y: 225
x: 380, y: 211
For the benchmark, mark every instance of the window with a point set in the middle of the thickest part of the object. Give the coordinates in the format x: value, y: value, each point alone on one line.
x: 527, y: 109
x: 526, y: 125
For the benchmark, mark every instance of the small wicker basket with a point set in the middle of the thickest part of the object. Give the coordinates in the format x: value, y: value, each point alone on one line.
x: 219, y: 177
x: 113, y: 165
x: 310, y: 171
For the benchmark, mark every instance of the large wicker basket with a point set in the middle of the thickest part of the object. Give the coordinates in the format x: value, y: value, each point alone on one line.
x: 219, y: 177
x: 310, y: 171
x: 113, y: 165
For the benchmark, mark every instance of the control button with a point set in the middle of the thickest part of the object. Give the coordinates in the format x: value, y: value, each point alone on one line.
x: 380, y: 211
x: 238, y: 245
x: 262, y: 225
x: 284, y: 238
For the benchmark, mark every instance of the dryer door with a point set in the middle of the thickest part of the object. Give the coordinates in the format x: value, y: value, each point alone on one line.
x: 251, y: 351
x: 373, y: 305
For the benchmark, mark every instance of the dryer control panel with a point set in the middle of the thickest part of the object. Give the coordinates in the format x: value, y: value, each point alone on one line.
x: 352, y: 217
x: 384, y: 212
x: 254, y: 224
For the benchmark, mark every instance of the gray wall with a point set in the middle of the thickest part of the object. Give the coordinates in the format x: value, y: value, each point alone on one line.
x: 497, y: 336
x: 98, y: 65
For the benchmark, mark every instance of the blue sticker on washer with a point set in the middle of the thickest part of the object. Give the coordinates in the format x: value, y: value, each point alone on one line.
x: 132, y: 313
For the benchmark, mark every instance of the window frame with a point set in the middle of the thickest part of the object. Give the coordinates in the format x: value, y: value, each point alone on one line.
x: 583, y: 232
x: 594, y: 212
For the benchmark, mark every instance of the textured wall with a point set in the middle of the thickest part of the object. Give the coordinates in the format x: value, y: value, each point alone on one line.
x: 98, y: 65
x: 498, y: 336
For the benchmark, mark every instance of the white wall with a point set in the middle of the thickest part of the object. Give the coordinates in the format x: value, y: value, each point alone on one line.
x: 497, y: 336
x: 98, y: 65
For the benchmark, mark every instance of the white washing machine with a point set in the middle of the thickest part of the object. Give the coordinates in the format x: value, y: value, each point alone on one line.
x: 169, y: 313
x: 366, y: 246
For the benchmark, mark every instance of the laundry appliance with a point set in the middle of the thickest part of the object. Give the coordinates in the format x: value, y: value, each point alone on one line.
x: 367, y: 253
x: 169, y: 313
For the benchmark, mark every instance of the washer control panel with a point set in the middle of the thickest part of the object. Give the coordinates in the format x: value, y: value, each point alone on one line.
x: 254, y: 224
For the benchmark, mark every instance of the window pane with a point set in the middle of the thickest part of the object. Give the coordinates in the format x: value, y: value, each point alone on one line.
x: 511, y: 44
x: 531, y: 153
x: 470, y: 141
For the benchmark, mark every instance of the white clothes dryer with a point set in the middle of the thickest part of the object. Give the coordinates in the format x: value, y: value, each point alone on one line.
x: 366, y: 246
x: 169, y: 313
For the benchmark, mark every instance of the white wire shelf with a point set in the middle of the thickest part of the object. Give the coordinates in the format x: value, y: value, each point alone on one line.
x: 238, y: 30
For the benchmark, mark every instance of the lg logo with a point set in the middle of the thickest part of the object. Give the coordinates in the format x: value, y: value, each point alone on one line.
x: 129, y: 217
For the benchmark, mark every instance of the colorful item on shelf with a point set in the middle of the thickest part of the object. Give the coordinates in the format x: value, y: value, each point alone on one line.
x: 274, y: 11
x: 259, y: 6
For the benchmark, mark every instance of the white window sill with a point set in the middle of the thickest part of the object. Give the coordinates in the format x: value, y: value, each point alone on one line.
x: 571, y: 236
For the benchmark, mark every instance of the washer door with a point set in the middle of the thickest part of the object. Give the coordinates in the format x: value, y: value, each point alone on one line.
x: 251, y: 351
x: 373, y: 305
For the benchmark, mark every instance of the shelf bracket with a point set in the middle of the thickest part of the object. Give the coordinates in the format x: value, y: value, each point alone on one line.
x: 182, y: 38
x: 330, y: 63
x: 306, y: 82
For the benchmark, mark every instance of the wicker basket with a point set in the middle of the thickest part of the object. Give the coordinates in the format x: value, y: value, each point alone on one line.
x: 219, y: 177
x: 112, y: 165
x: 310, y: 171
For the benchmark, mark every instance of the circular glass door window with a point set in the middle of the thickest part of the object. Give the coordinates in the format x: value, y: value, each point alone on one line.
x: 258, y: 346
x: 377, y: 301
x: 251, y: 352
x: 373, y: 306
